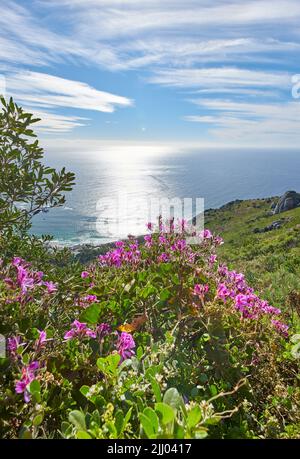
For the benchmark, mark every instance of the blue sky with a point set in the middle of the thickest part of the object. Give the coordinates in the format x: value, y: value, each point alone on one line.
x: 187, y: 72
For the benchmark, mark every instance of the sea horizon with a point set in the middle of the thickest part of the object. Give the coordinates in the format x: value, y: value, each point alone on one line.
x: 215, y: 174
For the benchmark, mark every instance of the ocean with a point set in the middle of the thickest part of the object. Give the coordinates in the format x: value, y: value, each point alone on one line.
x: 108, y: 178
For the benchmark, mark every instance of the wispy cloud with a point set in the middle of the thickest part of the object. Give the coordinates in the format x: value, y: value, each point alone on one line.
x: 233, y: 49
x: 46, y: 90
x: 220, y: 77
x: 252, y: 123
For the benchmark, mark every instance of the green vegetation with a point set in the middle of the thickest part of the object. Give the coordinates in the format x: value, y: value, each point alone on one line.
x: 157, y: 339
x: 270, y: 260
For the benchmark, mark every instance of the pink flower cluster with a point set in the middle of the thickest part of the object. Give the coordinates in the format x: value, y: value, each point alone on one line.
x: 121, y: 255
x: 233, y: 286
x: 28, y: 375
x: 79, y: 330
x: 27, y: 279
x: 125, y: 346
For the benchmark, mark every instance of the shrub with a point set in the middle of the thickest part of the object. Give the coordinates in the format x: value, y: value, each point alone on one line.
x: 152, y: 340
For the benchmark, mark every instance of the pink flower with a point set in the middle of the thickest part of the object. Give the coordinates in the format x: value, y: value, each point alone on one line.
x: 17, y: 261
x: 206, y: 234
x: 28, y: 375
x: 222, y: 292
x: 162, y: 240
x: 179, y: 245
x: 51, y: 287
x: 125, y: 346
x: 213, y: 259
x: 120, y: 244
x: 148, y: 240
x: 103, y: 330
x: 12, y: 344
x: 85, y: 274
x: 24, y: 280
x: 218, y: 240
x: 281, y: 327
x: 42, y: 339
x: 79, y: 330
x: 200, y: 290
x: 182, y: 223
x: 149, y: 226
x: 163, y: 258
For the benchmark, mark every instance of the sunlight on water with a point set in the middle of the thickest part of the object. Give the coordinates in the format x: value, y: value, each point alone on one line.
x: 160, y: 172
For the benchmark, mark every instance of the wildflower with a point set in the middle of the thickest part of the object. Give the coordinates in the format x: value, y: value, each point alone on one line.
x: 247, y: 305
x: 222, y: 292
x: 24, y: 280
x: 79, y: 330
x: 90, y: 299
x: 28, y: 375
x: 213, y: 259
x: 85, y: 274
x: 281, y: 327
x: 120, y: 244
x: 206, y: 234
x: 17, y: 261
x: 40, y: 342
x: 148, y: 240
x: 125, y: 346
x: 12, y: 345
x: 200, y: 290
x: 218, y: 240
x: 223, y: 270
x: 162, y: 239
x: 182, y: 223
x: 163, y: 258
x: 179, y: 245
x: 103, y: 330
x: 149, y: 226
x: 51, y: 287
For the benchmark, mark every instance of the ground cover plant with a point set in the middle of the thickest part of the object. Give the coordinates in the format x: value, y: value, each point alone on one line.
x: 153, y: 339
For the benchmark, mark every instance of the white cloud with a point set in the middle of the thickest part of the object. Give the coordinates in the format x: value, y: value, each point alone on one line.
x: 250, y: 123
x: 46, y: 90
x: 220, y: 77
x: 52, y: 123
x: 217, y: 49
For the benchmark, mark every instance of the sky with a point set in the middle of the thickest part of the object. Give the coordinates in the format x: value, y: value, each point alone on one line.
x: 192, y: 72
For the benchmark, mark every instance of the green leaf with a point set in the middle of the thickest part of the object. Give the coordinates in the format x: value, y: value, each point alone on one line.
x: 84, y: 390
x: 139, y: 352
x: 119, y: 421
x: 127, y: 418
x: 200, y: 434
x: 38, y: 420
x: 147, y: 425
x: 173, y: 398
x: 91, y: 314
x: 83, y: 435
x: 152, y: 416
x: 35, y: 387
x: 77, y: 418
x: 166, y: 412
x: 165, y: 295
x: 194, y: 417
x: 155, y: 388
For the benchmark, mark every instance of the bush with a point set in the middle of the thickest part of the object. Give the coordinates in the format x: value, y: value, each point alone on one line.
x: 152, y: 340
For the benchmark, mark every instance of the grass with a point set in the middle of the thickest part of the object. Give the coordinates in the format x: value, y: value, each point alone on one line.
x: 270, y: 260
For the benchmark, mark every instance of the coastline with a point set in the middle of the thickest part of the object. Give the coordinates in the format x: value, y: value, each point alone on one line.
x: 87, y: 252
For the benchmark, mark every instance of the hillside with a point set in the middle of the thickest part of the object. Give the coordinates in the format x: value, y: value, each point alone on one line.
x: 270, y: 259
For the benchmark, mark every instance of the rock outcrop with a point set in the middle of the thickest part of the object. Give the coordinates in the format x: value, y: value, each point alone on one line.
x: 288, y: 201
